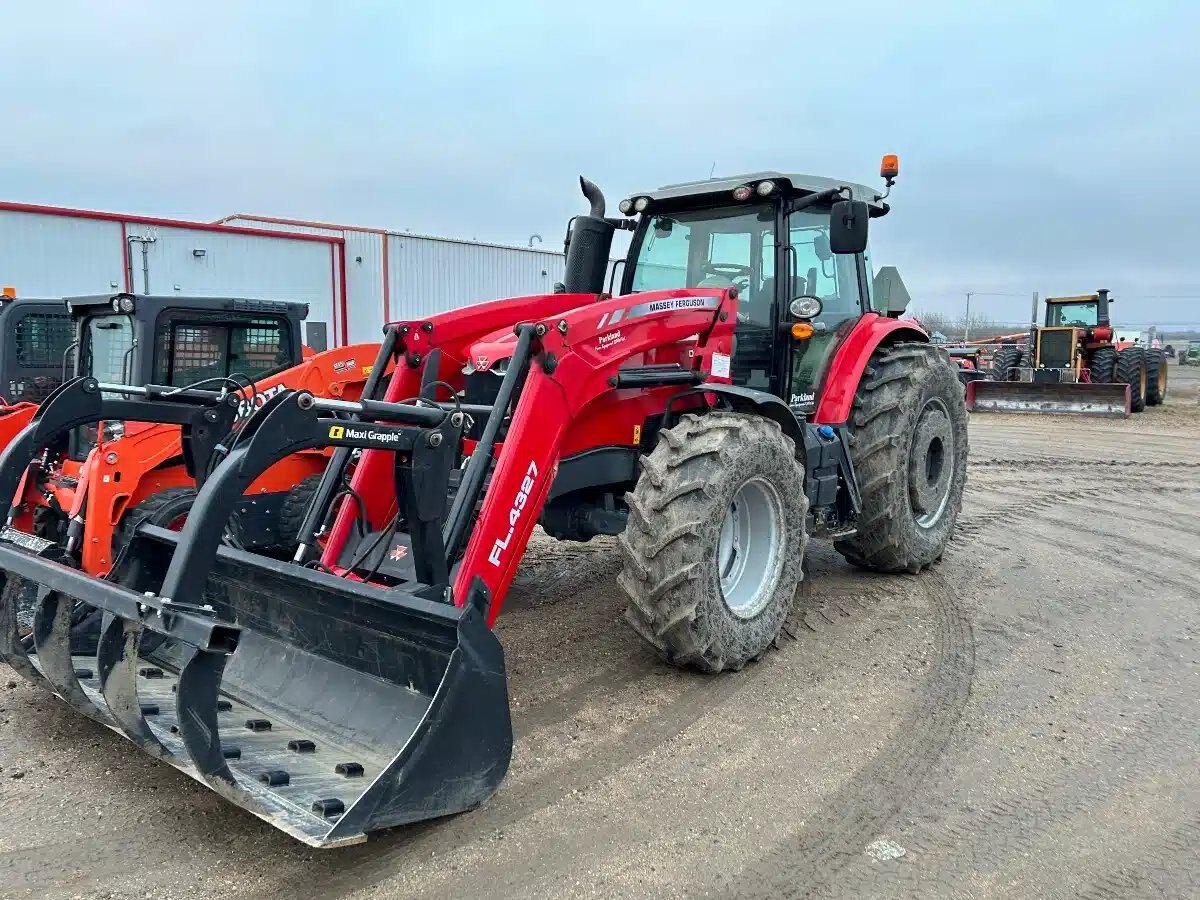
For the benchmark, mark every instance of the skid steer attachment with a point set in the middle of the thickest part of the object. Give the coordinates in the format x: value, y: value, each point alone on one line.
x: 346, y: 708
x: 1081, y: 398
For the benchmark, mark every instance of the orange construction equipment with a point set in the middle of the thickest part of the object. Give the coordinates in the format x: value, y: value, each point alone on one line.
x: 140, y: 472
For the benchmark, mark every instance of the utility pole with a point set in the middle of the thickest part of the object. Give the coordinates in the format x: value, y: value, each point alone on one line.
x: 967, y: 320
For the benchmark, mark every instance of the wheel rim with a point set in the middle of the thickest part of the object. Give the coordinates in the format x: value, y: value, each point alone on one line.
x: 748, y: 549
x: 931, y: 462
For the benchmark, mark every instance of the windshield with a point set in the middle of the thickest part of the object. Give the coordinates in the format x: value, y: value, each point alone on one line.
x: 730, y: 247
x: 108, y: 348
x: 1074, y: 313
x: 200, y: 348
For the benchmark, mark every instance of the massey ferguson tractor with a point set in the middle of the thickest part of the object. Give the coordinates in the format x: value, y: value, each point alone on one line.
x: 1072, y: 364
x: 745, y: 390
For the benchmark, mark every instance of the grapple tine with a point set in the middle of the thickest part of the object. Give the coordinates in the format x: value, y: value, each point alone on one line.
x: 196, y: 706
x: 117, y: 666
x: 18, y: 590
x: 52, y: 639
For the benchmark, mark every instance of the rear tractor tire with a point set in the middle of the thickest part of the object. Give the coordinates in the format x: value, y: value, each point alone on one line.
x: 714, y: 545
x: 1156, y: 377
x: 1131, y: 370
x: 909, y: 450
x: 1004, y: 361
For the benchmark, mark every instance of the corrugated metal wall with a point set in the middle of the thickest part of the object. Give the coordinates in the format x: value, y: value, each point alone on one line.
x: 425, y: 275
x: 59, y: 256
x: 237, y: 265
x: 45, y: 252
x: 428, y: 275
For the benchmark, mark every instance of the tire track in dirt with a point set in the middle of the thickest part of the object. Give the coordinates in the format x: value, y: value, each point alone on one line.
x: 1009, y: 829
x: 1169, y: 870
x: 968, y: 527
x: 857, y: 812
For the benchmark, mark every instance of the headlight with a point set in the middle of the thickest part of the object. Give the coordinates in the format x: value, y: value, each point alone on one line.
x: 805, y: 308
x: 641, y: 203
x: 743, y: 192
x: 126, y: 305
x: 766, y: 188
x: 626, y: 207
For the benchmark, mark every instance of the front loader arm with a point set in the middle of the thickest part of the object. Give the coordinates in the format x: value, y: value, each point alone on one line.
x: 580, y: 357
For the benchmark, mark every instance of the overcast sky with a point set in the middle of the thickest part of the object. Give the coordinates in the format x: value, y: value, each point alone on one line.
x: 1041, y: 150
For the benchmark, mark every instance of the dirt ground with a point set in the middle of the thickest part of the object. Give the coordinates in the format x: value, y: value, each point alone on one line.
x: 1022, y: 721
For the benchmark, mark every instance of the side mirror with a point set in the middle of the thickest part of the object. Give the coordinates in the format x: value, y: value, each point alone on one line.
x: 848, y: 227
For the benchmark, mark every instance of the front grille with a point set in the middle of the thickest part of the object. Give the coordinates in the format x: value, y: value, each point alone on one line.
x: 1056, y: 349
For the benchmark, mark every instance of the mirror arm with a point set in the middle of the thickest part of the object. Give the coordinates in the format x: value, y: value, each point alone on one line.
x: 820, y: 197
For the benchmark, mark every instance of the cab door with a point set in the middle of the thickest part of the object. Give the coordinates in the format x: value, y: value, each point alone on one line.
x: 834, y: 279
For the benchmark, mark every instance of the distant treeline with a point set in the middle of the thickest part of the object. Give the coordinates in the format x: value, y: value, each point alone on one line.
x: 955, y: 328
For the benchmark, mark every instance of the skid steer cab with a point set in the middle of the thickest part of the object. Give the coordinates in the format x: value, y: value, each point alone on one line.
x: 36, y: 337
x: 86, y: 487
x: 1071, y: 363
x: 748, y: 385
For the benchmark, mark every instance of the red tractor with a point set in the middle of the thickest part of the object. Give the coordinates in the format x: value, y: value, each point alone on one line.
x: 740, y: 395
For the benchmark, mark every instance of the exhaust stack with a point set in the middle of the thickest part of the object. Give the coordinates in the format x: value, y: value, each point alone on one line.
x: 588, y: 245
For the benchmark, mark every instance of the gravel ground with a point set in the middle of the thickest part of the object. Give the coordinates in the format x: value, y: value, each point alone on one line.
x: 1019, y: 722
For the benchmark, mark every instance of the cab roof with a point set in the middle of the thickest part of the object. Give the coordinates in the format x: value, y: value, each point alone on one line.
x: 790, y: 182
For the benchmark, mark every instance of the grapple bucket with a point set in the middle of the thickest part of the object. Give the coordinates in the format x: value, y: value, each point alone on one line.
x: 326, y: 707
x: 1031, y: 397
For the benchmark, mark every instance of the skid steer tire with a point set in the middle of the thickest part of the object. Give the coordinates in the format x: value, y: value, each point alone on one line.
x: 1156, y: 377
x: 167, y: 509
x: 1103, y: 365
x: 292, y: 511
x: 1131, y: 370
x: 909, y: 450
x: 1005, y: 359
x: 696, y: 595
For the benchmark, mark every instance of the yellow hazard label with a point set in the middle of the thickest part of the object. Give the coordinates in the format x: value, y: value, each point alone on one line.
x: 367, y: 369
x: 337, y: 432
x: 637, y: 434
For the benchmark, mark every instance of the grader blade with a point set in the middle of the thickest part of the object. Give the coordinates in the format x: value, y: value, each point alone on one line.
x: 1029, y: 397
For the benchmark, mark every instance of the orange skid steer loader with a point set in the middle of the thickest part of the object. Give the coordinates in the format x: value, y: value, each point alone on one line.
x: 739, y: 397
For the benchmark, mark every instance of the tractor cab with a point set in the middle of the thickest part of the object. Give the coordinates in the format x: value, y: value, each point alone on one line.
x: 795, y: 247
x: 200, y: 342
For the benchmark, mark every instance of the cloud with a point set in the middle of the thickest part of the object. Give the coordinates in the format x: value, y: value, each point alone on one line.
x: 1042, y: 149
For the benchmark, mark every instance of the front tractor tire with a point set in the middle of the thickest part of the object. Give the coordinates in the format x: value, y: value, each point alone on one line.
x: 909, y: 450
x: 1131, y: 370
x: 713, y: 549
x: 1004, y: 361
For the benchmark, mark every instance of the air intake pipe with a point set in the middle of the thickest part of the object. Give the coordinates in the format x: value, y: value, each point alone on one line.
x: 588, y: 244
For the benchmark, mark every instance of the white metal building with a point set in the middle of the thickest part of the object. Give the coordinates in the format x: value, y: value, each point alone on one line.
x: 397, y: 275
x: 353, y: 279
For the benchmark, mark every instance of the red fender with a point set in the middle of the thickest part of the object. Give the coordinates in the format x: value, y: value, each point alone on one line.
x: 851, y: 358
